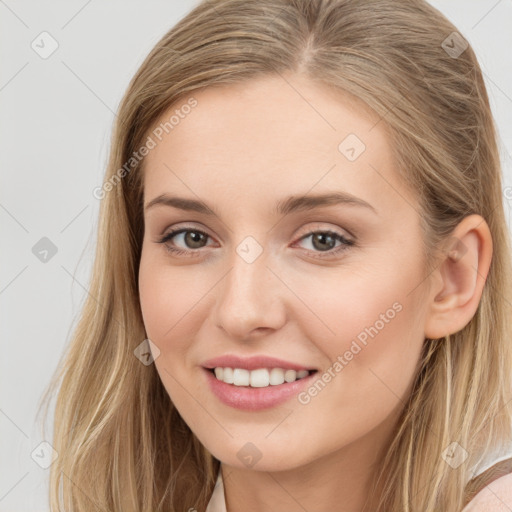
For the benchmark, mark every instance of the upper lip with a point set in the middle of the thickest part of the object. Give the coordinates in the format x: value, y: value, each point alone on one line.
x: 252, y: 363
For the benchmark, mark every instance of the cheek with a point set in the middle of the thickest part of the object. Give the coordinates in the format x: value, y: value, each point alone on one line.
x: 170, y: 300
x: 371, y: 334
x: 343, y: 310
x: 170, y: 297
x: 155, y: 303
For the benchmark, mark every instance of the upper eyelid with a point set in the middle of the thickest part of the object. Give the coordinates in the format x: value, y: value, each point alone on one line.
x: 317, y: 227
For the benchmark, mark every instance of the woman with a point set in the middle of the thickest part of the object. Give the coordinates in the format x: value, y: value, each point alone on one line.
x: 303, y: 273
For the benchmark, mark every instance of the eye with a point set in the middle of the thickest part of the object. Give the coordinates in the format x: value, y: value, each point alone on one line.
x: 192, y: 237
x: 324, y: 242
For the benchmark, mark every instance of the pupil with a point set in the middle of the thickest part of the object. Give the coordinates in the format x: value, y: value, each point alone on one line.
x: 321, y: 237
x: 194, y: 237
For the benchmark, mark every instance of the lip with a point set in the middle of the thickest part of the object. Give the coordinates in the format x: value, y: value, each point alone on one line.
x: 252, y: 363
x: 255, y: 399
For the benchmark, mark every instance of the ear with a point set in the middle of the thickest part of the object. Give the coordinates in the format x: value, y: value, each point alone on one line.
x: 460, y: 278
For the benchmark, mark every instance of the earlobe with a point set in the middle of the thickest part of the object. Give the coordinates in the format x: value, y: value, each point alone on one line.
x: 461, y: 276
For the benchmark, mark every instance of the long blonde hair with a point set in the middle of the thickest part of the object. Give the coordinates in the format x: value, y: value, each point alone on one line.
x: 122, y: 444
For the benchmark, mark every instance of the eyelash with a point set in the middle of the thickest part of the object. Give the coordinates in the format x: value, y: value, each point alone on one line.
x: 179, y: 252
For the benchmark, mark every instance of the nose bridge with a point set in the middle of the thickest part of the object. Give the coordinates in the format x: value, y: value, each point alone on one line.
x: 249, y: 297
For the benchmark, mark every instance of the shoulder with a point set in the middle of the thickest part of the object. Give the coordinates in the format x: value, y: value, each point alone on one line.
x: 495, y: 497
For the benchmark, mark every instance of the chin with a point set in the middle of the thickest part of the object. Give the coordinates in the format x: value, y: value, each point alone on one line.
x: 264, y: 455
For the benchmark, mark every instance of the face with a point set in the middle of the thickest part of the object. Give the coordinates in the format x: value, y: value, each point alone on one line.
x: 331, y: 286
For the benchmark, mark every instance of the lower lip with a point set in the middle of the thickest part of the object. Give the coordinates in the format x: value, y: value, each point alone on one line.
x: 255, y: 399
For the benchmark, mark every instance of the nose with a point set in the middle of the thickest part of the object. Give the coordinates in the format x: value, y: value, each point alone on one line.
x: 250, y: 299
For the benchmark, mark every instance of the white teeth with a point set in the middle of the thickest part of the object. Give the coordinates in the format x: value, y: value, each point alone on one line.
x: 240, y: 377
x: 227, y: 376
x: 260, y: 378
x: 276, y: 376
x: 290, y: 375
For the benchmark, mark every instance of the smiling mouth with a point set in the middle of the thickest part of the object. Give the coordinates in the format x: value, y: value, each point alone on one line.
x: 259, y: 378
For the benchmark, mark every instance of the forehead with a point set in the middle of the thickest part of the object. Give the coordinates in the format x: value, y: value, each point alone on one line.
x: 271, y: 137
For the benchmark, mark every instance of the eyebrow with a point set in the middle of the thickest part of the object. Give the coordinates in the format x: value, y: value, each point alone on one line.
x: 283, y: 207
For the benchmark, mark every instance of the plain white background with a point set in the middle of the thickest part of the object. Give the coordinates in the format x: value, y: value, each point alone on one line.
x: 57, y: 114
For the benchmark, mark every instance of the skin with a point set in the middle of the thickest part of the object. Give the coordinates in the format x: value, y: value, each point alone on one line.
x: 241, y: 149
